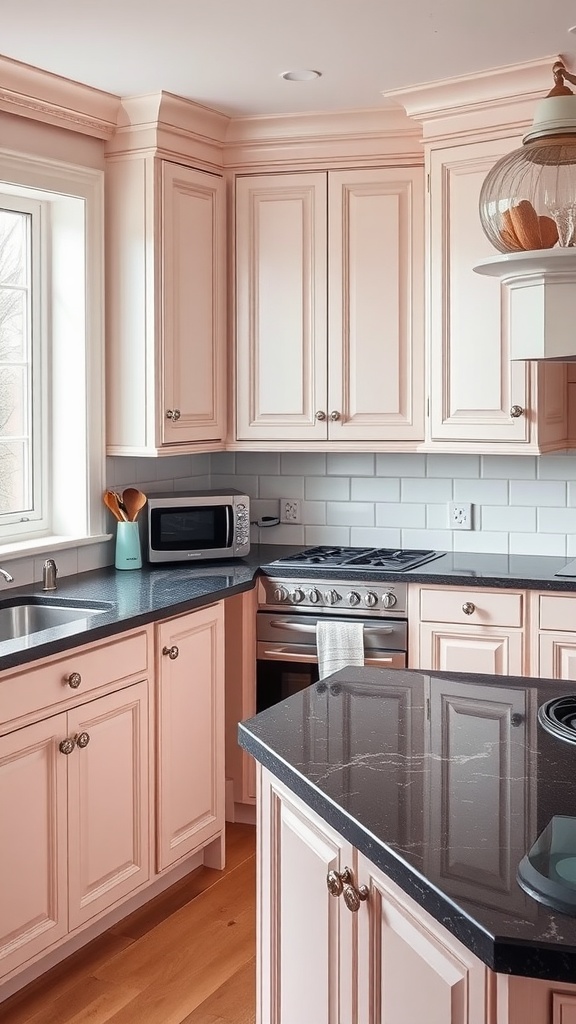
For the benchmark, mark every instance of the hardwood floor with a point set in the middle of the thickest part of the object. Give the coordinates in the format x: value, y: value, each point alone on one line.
x: 187, y: 957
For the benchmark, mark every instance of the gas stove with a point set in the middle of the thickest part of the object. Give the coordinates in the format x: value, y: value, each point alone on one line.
x: 384, y: 559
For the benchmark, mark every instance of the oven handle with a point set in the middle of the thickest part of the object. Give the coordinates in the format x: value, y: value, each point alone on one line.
x: 229, y: 534
x: 305, y: 627
x: 282, y: 654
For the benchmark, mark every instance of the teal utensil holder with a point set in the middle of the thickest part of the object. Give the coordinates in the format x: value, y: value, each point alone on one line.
x: 128, y: 550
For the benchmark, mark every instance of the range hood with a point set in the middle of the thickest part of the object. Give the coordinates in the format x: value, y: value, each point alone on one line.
x: 541, y: 306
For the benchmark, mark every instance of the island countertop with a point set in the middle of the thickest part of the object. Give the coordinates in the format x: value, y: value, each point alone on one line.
x: 444, y: 781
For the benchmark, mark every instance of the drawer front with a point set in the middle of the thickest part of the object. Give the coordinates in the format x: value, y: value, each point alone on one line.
x: 558, y: 612
x: 45, y: 687
x: 472, y: 606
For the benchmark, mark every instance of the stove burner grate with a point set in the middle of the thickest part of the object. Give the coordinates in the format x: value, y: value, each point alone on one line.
x: 390, y: 559
x: 558, y: 717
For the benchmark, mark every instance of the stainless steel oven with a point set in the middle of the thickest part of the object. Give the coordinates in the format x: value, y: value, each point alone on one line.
x: 287, y: 657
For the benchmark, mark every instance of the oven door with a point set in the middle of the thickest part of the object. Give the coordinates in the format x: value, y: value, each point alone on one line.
x: 287, y: 658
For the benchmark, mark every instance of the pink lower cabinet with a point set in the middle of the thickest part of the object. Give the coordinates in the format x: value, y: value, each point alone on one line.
x: 385, y: 961
x: 74, y: 813
x: 33, y: 843
x: 190, y: 707
x: 108, y: 801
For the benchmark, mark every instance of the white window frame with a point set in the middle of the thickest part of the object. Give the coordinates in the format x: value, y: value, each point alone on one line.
x: 35, y: 521
x: 75, y: 370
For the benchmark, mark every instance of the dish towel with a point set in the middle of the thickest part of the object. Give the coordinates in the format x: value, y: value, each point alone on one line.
x: 339, y: 644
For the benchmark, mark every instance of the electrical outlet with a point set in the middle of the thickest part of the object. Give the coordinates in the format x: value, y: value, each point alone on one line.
x: 460, y: 515
x: 290, y: 510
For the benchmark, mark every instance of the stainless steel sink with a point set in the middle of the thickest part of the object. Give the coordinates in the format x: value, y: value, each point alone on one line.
x: 20, y: 618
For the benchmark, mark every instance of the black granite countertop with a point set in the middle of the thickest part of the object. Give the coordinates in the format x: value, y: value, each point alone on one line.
x: 127, y: 599
x: 443, y: 781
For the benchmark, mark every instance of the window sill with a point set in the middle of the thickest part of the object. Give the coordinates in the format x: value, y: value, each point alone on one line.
x: 48, y: 544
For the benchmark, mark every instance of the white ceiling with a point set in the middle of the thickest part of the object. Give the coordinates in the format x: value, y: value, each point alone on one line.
x: 228, y: 54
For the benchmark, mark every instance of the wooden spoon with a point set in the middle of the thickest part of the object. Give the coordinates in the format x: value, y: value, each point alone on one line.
x: 133, y: 501
x: 111, y: 502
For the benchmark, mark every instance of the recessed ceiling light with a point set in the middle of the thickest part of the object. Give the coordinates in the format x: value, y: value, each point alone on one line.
x: 306, y: 75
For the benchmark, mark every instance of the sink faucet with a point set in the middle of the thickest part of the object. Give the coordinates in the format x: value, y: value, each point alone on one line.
x: 49, y: 574
x: 6, y: 575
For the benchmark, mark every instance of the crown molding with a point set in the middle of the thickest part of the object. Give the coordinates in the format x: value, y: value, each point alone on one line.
x: 506, y: 93
x: 171, y: 126
x: 330, y: 136
x: 27, y: 91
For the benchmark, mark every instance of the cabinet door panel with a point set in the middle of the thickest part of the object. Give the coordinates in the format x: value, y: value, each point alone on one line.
x: 557, y: 656
x: 33, y: 868
x: 474, y: 384
x: 376, y: 354
x: 464, y: 649
x: 193, y: 308
x: 419, y: 972
x: 481, y: 748
x: 281, y: 306
x: 303, y: 924
x: 191, y: 733
x: 108, y: 802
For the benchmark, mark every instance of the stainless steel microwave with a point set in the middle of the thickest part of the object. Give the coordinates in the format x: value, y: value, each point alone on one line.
x: 191, y: 525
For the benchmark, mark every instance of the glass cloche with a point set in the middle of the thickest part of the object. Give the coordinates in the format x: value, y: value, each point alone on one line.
x: 528, y: 200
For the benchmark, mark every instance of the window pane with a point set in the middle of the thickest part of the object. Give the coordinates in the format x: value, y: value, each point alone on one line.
x: 13, y: 477
x: 16, y: 421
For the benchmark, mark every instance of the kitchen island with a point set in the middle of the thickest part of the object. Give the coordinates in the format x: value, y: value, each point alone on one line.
x: 394, y: 810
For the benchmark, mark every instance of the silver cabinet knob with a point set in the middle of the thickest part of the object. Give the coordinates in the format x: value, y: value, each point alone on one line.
x: 335, y: 415
x: 468, y: 608
x: 353, y: 897
x: 353, y: 598
x: 516, y: 411
x: 320, y: 415
x: 173, y: 414
x: 66, y: 746
x: 314, y: 596
x: 172, y: 652
x: 389, y: 599
x: 331, y: 596
x: 297, y: 595
x: 82, y: 739
x: 74, y: 680
x: 371, y: 599
x: 336, y: 880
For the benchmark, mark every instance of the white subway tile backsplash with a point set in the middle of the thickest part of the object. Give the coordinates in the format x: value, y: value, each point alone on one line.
x: 427, y: 490
x: 327, y: 535
x: 508, y: 467
x: 557, y: 520
x: 95, y: 556
x: 400, y: 464
x: 284, y: 533
x: 281, y: 487
x: 480, y: 540
x: 314, y: 513
x: 440, y: 539
x: 345, y: 464
x: 365, y: 537
x: 223, y: 462
x: 303, y: 463
x: 326, y: 488
x: 437, y: 516
x: 537, y: 544
x: 504, y: 517
x: 349, y: 513
x: 260, y: 463
x: 401, y: 514
x: 373, y: 488
x: 453, y: 465
x: 557, y: 467
x: 245, y: 484
x: 482, y: 492
x: 538, y: 492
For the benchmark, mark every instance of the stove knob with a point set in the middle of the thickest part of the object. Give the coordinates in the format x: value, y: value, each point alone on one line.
x: 297, y: 595
x: 389, y: 599
x: 314, y: 596
x: 353, y: 598
x: 371, y: 599
x: 332, y: 596
x: 280, y: 594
